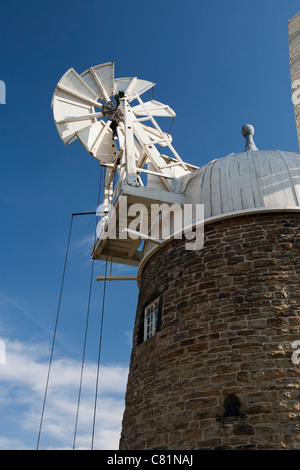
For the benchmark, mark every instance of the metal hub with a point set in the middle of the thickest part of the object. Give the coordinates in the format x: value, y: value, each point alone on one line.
x: 112, y: 111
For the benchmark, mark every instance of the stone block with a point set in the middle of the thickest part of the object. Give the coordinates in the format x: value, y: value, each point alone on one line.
x: 243, y: 429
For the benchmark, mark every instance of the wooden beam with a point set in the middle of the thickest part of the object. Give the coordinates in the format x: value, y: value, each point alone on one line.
x: 80, y: 96
x: 116, y: 278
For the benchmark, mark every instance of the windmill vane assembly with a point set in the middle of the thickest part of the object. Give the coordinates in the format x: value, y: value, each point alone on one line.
x: 125, y: 139
x: 74, y: 102
x: 113, y: 112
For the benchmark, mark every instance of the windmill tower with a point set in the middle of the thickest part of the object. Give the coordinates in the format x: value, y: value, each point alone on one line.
x: 213, y: 363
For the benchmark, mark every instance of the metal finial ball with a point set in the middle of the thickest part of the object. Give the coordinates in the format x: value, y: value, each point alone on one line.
x: 247, y: 129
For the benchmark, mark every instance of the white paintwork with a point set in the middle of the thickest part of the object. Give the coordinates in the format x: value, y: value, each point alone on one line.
x: 131, y: 86
x: 244, y: 181
x: 152, y: 153
x: 129, y: 147
x: 143, y: 236
x: 125, y: 139
x: 148, y: 195
x: 161, y: 138
x: 101, y: 79
x: 72, y: 100
x: 97, y: 139
x: 294, y: 46
x: 154, y: 108
x: 160, y: 132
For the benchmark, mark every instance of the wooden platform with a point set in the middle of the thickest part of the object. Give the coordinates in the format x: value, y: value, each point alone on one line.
x: 120, y: 246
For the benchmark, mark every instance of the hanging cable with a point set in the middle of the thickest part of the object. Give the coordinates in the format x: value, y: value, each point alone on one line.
x: 86, y: 330
x: 87, y: 320
x: 54, y: 335
x: 56, y: 322
x: 172, y: 122
x: 171, y: 125
x: 99, y: 353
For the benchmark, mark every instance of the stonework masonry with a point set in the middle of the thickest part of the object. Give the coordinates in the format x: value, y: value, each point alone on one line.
x: 230, y: 313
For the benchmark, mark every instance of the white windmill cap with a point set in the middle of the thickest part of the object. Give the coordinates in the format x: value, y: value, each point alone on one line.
x: 250, y: 181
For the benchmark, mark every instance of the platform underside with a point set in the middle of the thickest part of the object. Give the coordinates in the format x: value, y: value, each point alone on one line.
x: 115, y: 244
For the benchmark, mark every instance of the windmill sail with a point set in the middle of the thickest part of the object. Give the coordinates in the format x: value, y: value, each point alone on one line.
x: 294, y: 45
x: 73, y: 105
x: 101, y: 80
x: 153, y: 108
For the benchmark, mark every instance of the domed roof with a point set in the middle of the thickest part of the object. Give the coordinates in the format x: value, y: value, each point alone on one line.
x: 252, y: 180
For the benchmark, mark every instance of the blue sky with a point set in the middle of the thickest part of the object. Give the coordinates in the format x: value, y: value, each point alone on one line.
x: 218, y: 65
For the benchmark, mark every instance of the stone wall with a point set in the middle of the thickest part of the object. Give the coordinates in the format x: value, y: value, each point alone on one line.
x: 230, y: 314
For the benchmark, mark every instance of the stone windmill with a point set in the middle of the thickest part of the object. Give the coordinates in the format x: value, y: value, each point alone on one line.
x: 213, y: 364
x: 212, y: 359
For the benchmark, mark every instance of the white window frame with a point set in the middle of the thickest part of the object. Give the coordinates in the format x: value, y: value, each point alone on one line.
x: 150, y: 319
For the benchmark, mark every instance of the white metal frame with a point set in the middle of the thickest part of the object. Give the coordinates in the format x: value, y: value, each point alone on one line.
x: 150, y: 319
x: 127, y: 150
